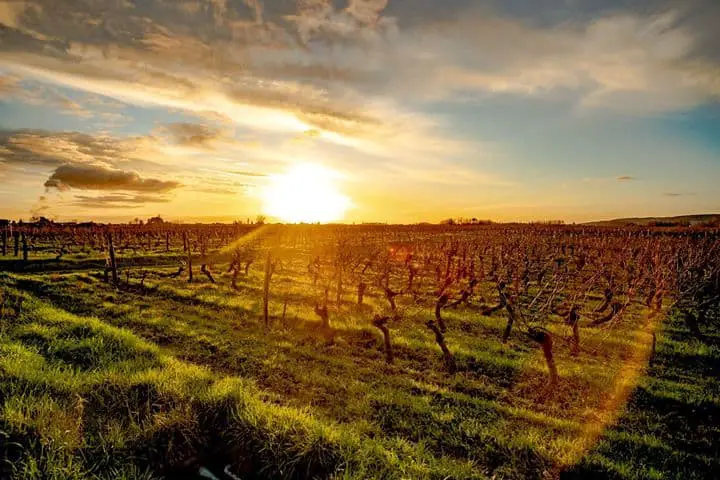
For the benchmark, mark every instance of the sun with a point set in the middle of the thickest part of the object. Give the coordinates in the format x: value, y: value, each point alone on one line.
x: 305, y: 193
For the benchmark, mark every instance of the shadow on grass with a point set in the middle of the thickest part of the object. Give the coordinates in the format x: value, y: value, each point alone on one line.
x: 671, y: 425
x: 14, y: 445
x: 51, y: 265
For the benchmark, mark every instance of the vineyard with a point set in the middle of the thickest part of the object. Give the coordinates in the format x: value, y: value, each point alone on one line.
x: 369, y: 351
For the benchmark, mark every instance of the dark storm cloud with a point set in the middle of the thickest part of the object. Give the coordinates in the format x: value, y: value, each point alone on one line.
x: 95, y: 177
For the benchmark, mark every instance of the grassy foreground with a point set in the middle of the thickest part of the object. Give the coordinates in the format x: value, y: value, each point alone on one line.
x: 83, y: 399
x: 152, y: 381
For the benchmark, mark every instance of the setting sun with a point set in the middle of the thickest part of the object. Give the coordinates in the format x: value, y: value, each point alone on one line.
x: 305, y: 193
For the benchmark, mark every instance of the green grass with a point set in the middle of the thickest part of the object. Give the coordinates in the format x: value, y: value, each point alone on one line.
x: 670, y: 428
x: 142, y: 382
x: 83, y: 399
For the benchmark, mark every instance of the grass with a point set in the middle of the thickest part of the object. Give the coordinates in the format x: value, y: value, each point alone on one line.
x: 157, y: 380
x: 48, y: 263
x: 111, y: 405
x: 670, y: 427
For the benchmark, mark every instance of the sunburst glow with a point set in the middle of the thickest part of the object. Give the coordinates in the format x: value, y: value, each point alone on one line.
x: 305, y: 193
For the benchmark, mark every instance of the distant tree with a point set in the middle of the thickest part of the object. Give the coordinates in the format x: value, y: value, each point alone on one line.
x: 155, y: 220
x: 260, y: 220
x: 40, y: 220
x: 465, y: 221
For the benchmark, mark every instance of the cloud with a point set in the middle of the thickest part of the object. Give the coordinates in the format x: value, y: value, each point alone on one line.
x: 313, y: 69
x: 308, y: 57
x: 193, y: 134
x: 246, y: 174
x: 40, y: 147
x: 8, y: 85
x: 625, y: 178
x: 40, y: 208
x: 218, y: 190
x: 224, y: 175
x: 625, y: 62
x: 103, y: 110
x: 121, y: 197
x: 13, y: 88
x: 320, y: 21
x: 117, y: 200
x: 270, y: 106
x: 96, y: 177
x: 195, y: 154
x: 10, y: 13
x: 45, y: 148
x: 219, y: 60
x: 678, y: 194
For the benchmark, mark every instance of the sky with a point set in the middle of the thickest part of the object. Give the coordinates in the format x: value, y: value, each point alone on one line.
x: 407, y: 110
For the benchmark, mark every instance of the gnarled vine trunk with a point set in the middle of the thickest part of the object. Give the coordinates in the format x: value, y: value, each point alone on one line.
x: 692, y: 323
x: 544, y: 338
x: 381, y: 324
x: 112, y: 264
x: 441, y: 302
x: 361, y: 292
x: 204, y: 269
x: 440, y: 339
x: 266, y: 289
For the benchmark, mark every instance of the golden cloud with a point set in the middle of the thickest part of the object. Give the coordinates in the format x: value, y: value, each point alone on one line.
x: 96, y: 177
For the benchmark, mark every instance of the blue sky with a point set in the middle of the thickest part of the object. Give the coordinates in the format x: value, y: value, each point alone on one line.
x: 420, y: 110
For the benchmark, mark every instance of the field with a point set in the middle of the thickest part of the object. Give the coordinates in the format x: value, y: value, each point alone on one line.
x: 359, y: 352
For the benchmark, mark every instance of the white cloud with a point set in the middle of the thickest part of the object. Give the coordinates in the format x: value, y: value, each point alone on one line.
x: 627, y: 63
